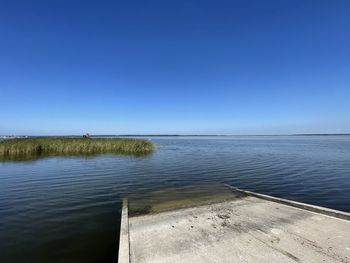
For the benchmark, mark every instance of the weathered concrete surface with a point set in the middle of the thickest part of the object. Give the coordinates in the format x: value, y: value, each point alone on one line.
x: 123, y: 254
x: 248, y: 229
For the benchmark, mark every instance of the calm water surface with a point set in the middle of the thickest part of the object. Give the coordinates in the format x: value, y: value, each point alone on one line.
x: 68, y: 209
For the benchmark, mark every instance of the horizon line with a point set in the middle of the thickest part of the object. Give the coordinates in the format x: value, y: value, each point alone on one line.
x: 179, y: 135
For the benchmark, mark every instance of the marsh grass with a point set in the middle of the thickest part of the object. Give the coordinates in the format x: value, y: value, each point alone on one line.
x: 28, y: 148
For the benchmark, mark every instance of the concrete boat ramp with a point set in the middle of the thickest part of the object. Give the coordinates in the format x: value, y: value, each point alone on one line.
x: 248, y: 228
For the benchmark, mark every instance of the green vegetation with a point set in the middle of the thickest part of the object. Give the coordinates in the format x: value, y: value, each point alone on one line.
x: 27, y: 148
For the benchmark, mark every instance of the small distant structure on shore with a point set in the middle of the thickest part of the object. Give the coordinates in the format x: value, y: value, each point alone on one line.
x: 13, y: 136
x: 87, y: 135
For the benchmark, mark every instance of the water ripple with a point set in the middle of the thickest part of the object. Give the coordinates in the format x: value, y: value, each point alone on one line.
x: 69, y: 208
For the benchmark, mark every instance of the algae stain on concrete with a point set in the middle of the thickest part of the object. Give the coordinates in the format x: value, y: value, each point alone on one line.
x: 175, y: 198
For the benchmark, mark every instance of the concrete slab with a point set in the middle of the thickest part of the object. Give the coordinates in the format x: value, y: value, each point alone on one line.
x: 248, y: 229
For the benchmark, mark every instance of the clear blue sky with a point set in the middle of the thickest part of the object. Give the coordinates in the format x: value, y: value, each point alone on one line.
x: 189, y: 67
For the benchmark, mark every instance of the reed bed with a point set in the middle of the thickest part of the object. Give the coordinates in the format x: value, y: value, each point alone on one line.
x: 21, y: 148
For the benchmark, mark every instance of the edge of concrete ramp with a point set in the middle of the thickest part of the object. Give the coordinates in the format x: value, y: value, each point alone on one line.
x: 124, y: 241
x: 312, y: 208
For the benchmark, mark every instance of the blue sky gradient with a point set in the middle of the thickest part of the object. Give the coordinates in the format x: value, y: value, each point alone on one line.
x: 179, y: 67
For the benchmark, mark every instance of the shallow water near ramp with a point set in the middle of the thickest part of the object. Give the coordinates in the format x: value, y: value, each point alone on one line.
x: 67, y: 209
x: 177, y: 198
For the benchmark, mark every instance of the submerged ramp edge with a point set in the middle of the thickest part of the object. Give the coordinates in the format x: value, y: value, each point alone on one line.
x: 313, y: 208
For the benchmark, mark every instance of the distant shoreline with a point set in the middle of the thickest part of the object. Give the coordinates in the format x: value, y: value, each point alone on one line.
x: 177, y: 135
x: 223, y: 135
